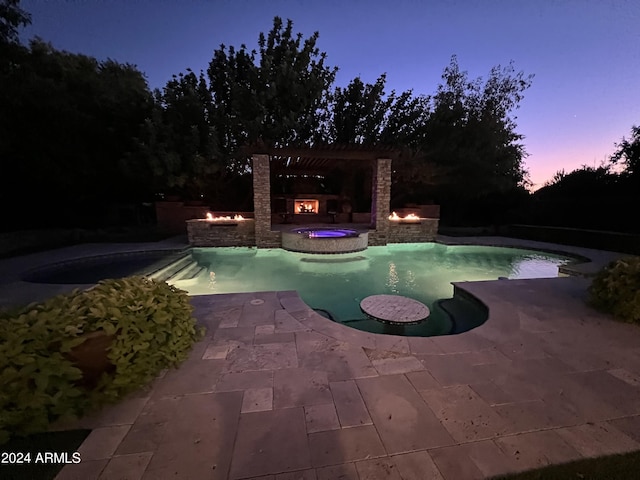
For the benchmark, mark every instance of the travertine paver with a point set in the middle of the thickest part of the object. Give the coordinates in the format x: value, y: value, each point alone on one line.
x: 464, y: 414
x: 453, y: 463
x: 345, y: 471
x: 401, y: 415
x: 320, y: 418
x: 392, y: 366
x: 216, y: 352
x: 300, y: 475
x: 380, y: 468
x: 293, y: 387
x: 257, y: 400
x: 85, y: 470
x: 489, y: 458
x: 597, y: 439
x: 416, y: 466
x: 131, y: 467
x: 351, y: 409
x: 270, y: 442
x: 102, y: 442
x: 263, y: 396
x: 345, y: 445
x: 231, y: 382
x: 197, y: 438
x: 537, y: 449
x: 630, y: 426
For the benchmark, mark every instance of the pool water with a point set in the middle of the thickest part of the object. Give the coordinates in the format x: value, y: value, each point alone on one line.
x: 336, y: 283
x: 93, y: 269
x: 326, y: 232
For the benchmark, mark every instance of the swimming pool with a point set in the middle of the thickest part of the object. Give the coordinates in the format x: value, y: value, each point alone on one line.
x: 89, y: 270
x: 337, y: 283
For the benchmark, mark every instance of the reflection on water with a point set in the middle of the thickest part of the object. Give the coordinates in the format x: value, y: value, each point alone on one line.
x: 392, y: 279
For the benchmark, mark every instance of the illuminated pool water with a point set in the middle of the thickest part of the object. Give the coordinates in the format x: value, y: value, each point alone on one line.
x: 337, y: 283
x: 326, y: 232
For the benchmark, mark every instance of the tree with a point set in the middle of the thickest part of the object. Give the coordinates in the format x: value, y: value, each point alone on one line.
x: 471, y: 132
x: 66, y: 122
x: 628, y: 153
x: 276, y: 95
x: 358, y: 112
x: 11, y: 18
x: 179, y: 146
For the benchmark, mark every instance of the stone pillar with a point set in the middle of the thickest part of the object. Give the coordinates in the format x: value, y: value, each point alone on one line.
x: 262, y: 199
x: 380, y: 200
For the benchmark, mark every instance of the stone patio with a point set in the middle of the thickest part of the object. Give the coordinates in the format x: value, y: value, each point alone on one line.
x: 277, y: 392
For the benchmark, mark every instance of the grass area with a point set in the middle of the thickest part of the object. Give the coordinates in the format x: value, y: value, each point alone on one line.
x: 37, y: 446
x: 614, y: 467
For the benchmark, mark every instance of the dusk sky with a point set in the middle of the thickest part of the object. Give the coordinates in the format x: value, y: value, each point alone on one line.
x: 585, y: 54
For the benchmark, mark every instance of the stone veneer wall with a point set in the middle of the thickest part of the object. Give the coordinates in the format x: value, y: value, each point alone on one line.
x: 380, y: 201
x: 203, y: 233
x: 265, y: 238
x: 301, y: 243
x: 425, y: 231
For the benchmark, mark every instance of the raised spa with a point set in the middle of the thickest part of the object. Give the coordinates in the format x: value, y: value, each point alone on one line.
x: 324, y: 240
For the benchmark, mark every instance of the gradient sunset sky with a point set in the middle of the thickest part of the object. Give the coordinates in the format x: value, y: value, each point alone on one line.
x: 585, y: 54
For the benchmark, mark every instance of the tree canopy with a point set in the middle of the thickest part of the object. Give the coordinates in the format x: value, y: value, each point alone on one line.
x: 74, y: 127
x: 12, y: 17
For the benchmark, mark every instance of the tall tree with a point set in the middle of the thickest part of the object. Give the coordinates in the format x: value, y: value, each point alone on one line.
x: 358, y: 112
x: 276, y: 95
x: 471, y: 132
x: 66, y: 121
x: 12, y: 17
x: 628, y: 153
x: 179, y: 146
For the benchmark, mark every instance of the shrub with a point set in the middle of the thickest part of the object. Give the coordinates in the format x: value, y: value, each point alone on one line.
x: 616, y: 290
x: 148, y: 327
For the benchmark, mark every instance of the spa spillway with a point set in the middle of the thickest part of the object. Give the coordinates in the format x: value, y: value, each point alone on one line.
x: 324, y: 240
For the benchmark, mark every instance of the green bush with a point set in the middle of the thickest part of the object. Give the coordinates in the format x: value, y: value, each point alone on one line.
x: 616, y: 290
x: 149, y: 328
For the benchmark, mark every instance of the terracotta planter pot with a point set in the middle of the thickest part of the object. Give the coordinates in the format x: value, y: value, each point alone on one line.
x: 91, y: 357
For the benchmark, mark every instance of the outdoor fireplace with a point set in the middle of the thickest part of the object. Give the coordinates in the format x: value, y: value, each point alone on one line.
x: 306, y: 206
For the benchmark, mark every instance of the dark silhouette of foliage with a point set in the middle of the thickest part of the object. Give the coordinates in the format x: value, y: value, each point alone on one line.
x: 276, y: 95
x: 628, y: 153
x: 66, y: 123
x: 12, y: 17
x: 471, y: 132
x: 178, y: 152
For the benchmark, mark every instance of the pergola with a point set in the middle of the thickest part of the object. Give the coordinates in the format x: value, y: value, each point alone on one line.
x: 316, y: 160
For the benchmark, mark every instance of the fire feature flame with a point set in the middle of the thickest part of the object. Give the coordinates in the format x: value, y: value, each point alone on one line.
x: 411, y: 217
x: 212, y: 218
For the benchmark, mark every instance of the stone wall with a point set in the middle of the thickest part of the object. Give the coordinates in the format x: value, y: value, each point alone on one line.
x: 301, y: 243
x: 424, y: 231
x: 203, y: 233
x: 380, y: 200
x: 265, y: 238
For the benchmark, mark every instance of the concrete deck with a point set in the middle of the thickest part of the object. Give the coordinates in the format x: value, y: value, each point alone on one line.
x: 275, y: 391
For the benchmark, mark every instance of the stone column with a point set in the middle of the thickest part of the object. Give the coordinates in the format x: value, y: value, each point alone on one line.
x: 262, y: 199
x: 381, y: 200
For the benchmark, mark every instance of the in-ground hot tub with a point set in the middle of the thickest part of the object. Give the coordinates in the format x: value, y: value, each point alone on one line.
x: 325, y: 240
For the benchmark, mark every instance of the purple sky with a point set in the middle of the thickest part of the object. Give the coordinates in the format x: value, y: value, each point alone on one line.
x: 585, y: 54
